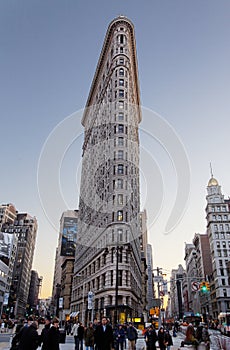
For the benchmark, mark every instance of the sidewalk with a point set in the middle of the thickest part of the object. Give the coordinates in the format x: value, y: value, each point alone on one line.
x: 69, y: 344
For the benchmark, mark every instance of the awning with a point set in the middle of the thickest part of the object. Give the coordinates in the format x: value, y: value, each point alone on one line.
x: 74, y: 314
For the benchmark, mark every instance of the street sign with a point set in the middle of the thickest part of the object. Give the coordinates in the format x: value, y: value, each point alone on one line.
x: 165, y: 287
x: 90, y: 300
x: 157, y: 279
x: 195, y: 286
x: 60, y: 303
x: 156, y: 302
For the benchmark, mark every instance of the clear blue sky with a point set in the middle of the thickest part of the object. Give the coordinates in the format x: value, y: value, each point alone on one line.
x: 48, y: 55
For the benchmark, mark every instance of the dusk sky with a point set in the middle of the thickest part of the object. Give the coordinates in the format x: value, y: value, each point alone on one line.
x: 48, y: 55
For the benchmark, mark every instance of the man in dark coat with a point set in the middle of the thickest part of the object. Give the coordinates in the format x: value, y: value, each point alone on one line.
x: 132, y: 336
x: 44, y: 334
x: 80, y: 333
x: 120, y: 337
x: 104, y: 335
x: 53, y: 335
x: 151, y: 338
x: 29, y: 338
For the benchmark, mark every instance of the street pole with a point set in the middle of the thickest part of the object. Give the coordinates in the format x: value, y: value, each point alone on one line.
x: 92, y: 308
x: 158, y: 289
x: 116, y: 289
x: 83, y: 305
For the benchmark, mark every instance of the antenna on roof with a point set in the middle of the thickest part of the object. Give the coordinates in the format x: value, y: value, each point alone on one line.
x: 211, y: 169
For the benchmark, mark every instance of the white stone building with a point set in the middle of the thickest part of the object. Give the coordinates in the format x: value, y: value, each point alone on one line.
x: 108, y: 257
x: 218, y: 230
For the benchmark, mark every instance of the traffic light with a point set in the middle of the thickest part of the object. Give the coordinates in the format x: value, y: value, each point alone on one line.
x: 203, y: 287
x: 207, y: 285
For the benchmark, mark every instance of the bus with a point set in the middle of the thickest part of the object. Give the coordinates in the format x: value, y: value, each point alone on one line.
x: 224, y: 323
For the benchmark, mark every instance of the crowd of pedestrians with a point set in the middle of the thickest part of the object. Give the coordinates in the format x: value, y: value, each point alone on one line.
x: 26, y: 336
x: 101, y: 336
x: 95, y: 336
x: 197, y: 336
x: 163, y: 337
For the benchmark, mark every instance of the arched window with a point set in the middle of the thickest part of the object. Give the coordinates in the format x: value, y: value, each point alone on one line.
x: 121, y: 72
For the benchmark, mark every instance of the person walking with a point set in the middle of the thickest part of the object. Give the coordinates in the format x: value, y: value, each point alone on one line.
x: 120, y: 337
x: 132, y: 336
x: 29, y: 337
x: 161, y: 338
x: 95, y: 324
x: 198, y: 333
x: 206, y: 336
x: 53, y: 335
x: 190, y: 337
x: 168, y: 340
x: 17, y: 335
x: 151, y: 338
x: 74, y: 332
x: 43, y: 339
x: 80, y: 333
x: 89, y: 337
x: 104, y: 335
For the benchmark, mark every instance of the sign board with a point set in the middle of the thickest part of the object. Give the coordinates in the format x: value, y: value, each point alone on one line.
x: 195, y: 286
x: 60, y: 303
x: 165, y: 287
x: 69, y: 236
x: 6, y: 298
x: 157, y: 279
x: 90, y: 300
x: 122, y: 317
x: 156, y: 302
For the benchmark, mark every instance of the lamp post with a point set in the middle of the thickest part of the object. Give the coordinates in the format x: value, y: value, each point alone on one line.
x: 179, y: 278
x: 116, y: 286
x: 83, y: 304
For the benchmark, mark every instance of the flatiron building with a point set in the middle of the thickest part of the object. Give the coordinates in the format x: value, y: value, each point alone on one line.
x: 107, y: 271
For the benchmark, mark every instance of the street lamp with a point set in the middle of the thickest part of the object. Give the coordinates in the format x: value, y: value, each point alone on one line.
x: 116, y: 286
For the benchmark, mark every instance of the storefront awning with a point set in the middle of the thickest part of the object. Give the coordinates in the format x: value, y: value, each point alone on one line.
x: 74, y: 314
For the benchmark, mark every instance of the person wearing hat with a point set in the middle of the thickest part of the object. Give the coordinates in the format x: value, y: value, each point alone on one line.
x: 43, y: 339
x: 53, y: 335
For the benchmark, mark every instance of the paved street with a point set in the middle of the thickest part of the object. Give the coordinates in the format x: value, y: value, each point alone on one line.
x: 216, y: 340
